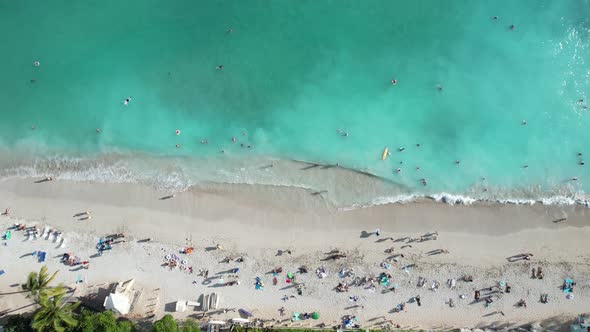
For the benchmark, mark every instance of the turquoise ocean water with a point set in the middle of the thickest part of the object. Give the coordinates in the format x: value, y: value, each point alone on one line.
x: 294, y: 73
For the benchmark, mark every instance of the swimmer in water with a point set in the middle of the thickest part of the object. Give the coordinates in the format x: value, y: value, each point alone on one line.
x: 512, y: 27
x: 346, y: 134
x: 229, y: 30
x: 525, y: 166
x: 582, y: 163
x: 398, y: 170
x: 457, y: 162
x: 401, y: 149
x: 98, y: 130
x: 177, y: 146
x: 127, y: 101
x: 233, y: 139
x: 220, y: 67
x: 394, y: 81
x: 424, y: 182
x: 581, y: 101
x: 177, y: 131
x: 401, y: 162
x: 441, y: 87
x: 495, y: 18
x: 204, y: 141
x: 418, y: 145
x: 523, y: 122
x: 579, y: 154
x: 36, y: 63
x: 574, y: 179
x: 417, y: 168
x: 33, y: 127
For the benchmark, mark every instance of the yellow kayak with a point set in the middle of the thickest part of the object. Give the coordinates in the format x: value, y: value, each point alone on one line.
x: 385, y: 154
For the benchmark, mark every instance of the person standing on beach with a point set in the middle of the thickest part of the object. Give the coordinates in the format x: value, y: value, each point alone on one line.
x: 377, y: 231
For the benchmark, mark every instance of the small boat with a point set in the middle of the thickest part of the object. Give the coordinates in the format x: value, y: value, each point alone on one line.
x: 385, y: 152
x: 213, y: 301
x: 246, y: 312
x: 240, y: 320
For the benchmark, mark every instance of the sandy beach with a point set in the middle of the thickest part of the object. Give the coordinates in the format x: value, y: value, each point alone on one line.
x: 258, y: 222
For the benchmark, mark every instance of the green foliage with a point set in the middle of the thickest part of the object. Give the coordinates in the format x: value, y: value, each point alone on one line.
x: 189, y: 325
x: 18, y: 323
x: 106, y: 321
x: 37, y: 282
x: 166, y: 324
x: 55, y: 313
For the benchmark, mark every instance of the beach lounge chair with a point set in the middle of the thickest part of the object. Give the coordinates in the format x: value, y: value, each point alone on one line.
x: 57, y: 237
x: 41, y: 255
x: 62, y: 243
x: 49, y: 232
x: 45, y: 231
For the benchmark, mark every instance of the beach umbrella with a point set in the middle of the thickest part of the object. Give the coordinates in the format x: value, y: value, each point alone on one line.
x: 315, y: 315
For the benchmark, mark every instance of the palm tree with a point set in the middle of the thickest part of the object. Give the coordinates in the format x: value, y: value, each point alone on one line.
x: 55, y: 313
x: 38, y: 282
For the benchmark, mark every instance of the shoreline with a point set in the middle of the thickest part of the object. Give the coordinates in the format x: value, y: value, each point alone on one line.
x: 257, y: 221
x: 344, y: 188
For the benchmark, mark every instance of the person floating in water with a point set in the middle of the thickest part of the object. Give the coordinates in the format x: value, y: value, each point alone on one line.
x: 127, y: 101
x: 177, y: 131
x: 394, y: 81
x: 229, y: 30
x: 36, y: 63
x: 220, y: 67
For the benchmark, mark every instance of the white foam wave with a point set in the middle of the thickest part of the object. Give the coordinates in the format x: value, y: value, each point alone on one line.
x: 451, y: 199
x: 176, y: 176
